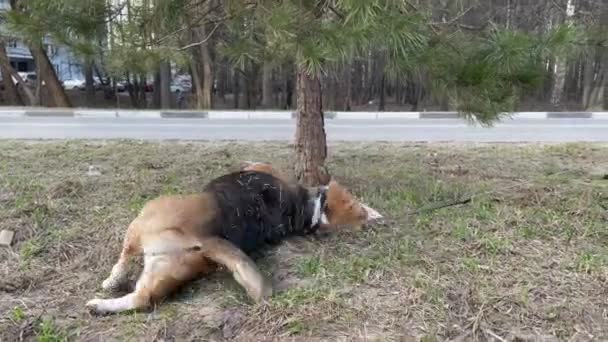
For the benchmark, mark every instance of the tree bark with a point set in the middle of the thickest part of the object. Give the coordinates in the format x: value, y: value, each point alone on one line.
x: 156, y: 102
x: 38, y: 87
x: 47, y: 73
x: 208, y: 77
x: 236, y: 89
x: 89, y: 82
x: 267, y: 99
x: 197, y: 82
x: 10, y: 89
x: 222, y: 81
x: 202, y: 68
x: 165, y: 85
x: 349, y: 87
x: 310, y: 139
x: 559, y: 79
x: 382, y: 103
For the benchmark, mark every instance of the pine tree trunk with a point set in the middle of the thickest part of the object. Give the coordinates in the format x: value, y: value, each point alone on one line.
x: 236, y: 89
x: 559, y: 78
x: 222, y: 81
x: 89, y: 82
x: 47, y: 74
x: 310, y: 139
x: 197, y: 82
x: 267, y: 100
x: 156, y: 94
x: 382, y: 103
x: 10, y: 89
x: 165, y: 85
x: 349, y: 88
x: 38, y: 87
x: 208, y: 77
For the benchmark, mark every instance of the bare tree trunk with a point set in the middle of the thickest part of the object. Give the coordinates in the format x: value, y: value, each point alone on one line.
x: 222, y: 81
x: 38, y: 87
x: 349, y: 87
x: 10, y: 89
x: 559, y: 80
x: 89, y: 82
x: 202, y: 65
x: 236, y: 89
x: 382, y: 104
x: 267, y: 100
x: 49, y: 76
x: 165, y: 85
x: 156, y: 102
x: 357, y: 75
x: 310, y: 139
x: 208, y: 77
x: 197, y: 83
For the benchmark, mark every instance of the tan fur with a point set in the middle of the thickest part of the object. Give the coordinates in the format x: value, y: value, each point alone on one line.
x: 344, y: 209
x: 164, y: 229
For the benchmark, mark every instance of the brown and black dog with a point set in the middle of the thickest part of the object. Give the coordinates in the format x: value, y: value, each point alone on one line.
x: 185, y: 237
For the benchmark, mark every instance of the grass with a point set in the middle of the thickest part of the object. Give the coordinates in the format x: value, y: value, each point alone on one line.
x: 525, y: 259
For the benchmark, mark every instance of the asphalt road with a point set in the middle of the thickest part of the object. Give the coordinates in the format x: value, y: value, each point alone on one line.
x: 439, y: 130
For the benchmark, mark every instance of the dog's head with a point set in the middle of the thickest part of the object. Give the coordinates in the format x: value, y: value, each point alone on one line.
x: 341, y: 208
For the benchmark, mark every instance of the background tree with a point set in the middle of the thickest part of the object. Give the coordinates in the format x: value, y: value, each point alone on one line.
x: 478, y: 58
x: 479, y: 73
x: 32, y: 21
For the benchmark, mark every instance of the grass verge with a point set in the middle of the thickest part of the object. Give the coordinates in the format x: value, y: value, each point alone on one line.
x: 527, y: 261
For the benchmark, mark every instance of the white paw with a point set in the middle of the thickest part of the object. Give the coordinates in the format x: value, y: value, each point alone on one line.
x: 95, y: 306
x: 109, y: 284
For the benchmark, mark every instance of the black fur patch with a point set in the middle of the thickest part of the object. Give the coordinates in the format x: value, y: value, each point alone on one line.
x: 256, y: 208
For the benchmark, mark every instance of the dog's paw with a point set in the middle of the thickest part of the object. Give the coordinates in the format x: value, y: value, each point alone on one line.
x: 95, y: 306
x: 111, y: 285
x: 108, y: 284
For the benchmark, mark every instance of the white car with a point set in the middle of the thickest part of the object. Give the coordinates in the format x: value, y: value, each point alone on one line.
x: 28, y: 77
x: 177, y: 87
x: 73, y: 84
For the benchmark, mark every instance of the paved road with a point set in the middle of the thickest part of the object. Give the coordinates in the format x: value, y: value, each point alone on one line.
x: 521, y: 130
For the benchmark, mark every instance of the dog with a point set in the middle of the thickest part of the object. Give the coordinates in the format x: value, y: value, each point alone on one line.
x: 183, y: 237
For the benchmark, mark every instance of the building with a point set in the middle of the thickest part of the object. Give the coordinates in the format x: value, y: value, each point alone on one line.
x: 66, y: 64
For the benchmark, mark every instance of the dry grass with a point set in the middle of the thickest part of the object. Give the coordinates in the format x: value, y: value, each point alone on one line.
x: 525, y: 263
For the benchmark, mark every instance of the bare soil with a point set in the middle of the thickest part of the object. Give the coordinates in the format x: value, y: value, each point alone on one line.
x: 525, y: 260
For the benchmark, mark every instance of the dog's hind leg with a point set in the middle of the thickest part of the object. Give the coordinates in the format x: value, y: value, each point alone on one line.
x: 131, y: 246
x: 164, y: 272
x: 244, y: 270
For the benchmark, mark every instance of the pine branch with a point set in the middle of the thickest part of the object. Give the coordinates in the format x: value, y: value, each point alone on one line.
x: 202, y: 41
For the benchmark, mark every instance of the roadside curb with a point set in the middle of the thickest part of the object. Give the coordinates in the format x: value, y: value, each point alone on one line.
x: 274, y: 115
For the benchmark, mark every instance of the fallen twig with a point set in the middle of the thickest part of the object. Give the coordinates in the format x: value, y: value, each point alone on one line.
x: 441, y: 205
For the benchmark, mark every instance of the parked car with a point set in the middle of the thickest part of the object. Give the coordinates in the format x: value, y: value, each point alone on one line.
x: 96, y: 84
x: 29, y: 77
x: 73, y: 84
x: 177, y: 88
x: 121, y: 86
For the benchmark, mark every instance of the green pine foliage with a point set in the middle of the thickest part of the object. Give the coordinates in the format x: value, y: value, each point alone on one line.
x: 483, y: 73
